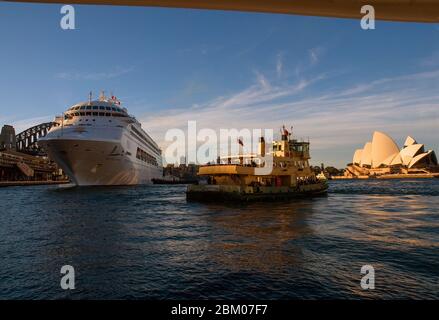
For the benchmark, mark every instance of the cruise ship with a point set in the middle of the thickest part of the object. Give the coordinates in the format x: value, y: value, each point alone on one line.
x: 97, y: 143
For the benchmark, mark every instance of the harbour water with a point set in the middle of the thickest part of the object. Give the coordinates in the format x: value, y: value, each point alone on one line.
x: 147, y: 242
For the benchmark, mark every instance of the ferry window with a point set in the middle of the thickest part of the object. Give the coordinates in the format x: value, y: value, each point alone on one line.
x: 113, y: 108
x: 101, y: 108
x: 101, y: 114
x: 77, y: 114
x: 88, y: 113
x: 95, y: 107
x: 83, y: 108
x: 95, y: 114
x: 82, y: 113
x: 88, y: 107
x: 108, y: 108
x: 108, y: 114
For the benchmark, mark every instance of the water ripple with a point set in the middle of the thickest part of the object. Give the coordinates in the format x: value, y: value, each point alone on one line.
x: 147, y: 242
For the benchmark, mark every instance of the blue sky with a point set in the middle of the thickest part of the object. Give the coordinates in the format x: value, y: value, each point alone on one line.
x: 334, y: 82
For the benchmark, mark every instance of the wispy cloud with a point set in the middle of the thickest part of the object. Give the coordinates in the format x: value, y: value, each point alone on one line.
x: 279, y: 64
x: 94, y: 76
x: 315, y: 55
x: 337, y: 121
x: 312, y: 59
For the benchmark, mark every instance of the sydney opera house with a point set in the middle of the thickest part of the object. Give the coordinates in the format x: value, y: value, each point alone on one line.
x: 382, y: 157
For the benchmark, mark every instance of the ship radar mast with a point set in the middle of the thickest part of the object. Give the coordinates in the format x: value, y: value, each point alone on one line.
x: 113, y: 99
x: 102, y: 96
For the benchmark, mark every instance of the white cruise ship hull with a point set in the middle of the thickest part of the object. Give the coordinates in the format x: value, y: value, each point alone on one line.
x: 97, y: 143
x: 98, y: 163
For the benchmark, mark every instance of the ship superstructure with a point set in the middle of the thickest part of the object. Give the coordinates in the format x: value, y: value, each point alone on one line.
x: 98, y: 143
x: 283, y: 173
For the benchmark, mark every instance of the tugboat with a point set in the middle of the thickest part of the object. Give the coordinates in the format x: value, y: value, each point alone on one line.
x: 246, y: 178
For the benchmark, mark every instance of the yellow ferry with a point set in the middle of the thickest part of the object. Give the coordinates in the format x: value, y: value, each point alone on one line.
x: 245, y: 177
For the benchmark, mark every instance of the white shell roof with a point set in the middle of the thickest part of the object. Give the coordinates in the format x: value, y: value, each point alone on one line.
x: 396, y: 160
x: 389, y: 160
x: 421, y: 156
x: 384, y: 151
x: 357, y: 156
x: 383, y: 148
x: 409, y: 141
x: 408, y: 153
x: 366, y: 155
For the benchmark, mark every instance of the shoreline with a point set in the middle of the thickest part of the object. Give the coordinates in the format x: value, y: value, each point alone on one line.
x: 390, y: 176
x: 30, y: 183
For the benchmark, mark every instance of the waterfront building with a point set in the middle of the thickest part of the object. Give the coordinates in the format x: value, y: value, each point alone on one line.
x: 181, y: 171
x: 382, y: 156
x: 7, y: 138
x: 17, y: 166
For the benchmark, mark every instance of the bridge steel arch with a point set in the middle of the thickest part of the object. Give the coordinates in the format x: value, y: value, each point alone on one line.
x: 28, y: 139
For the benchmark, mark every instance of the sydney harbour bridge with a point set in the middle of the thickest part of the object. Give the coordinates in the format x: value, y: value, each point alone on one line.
x: 22, y: 161
x: 27, y: 141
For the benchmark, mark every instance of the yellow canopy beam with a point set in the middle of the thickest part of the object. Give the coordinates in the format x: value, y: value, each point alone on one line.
x: 395, y: 10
